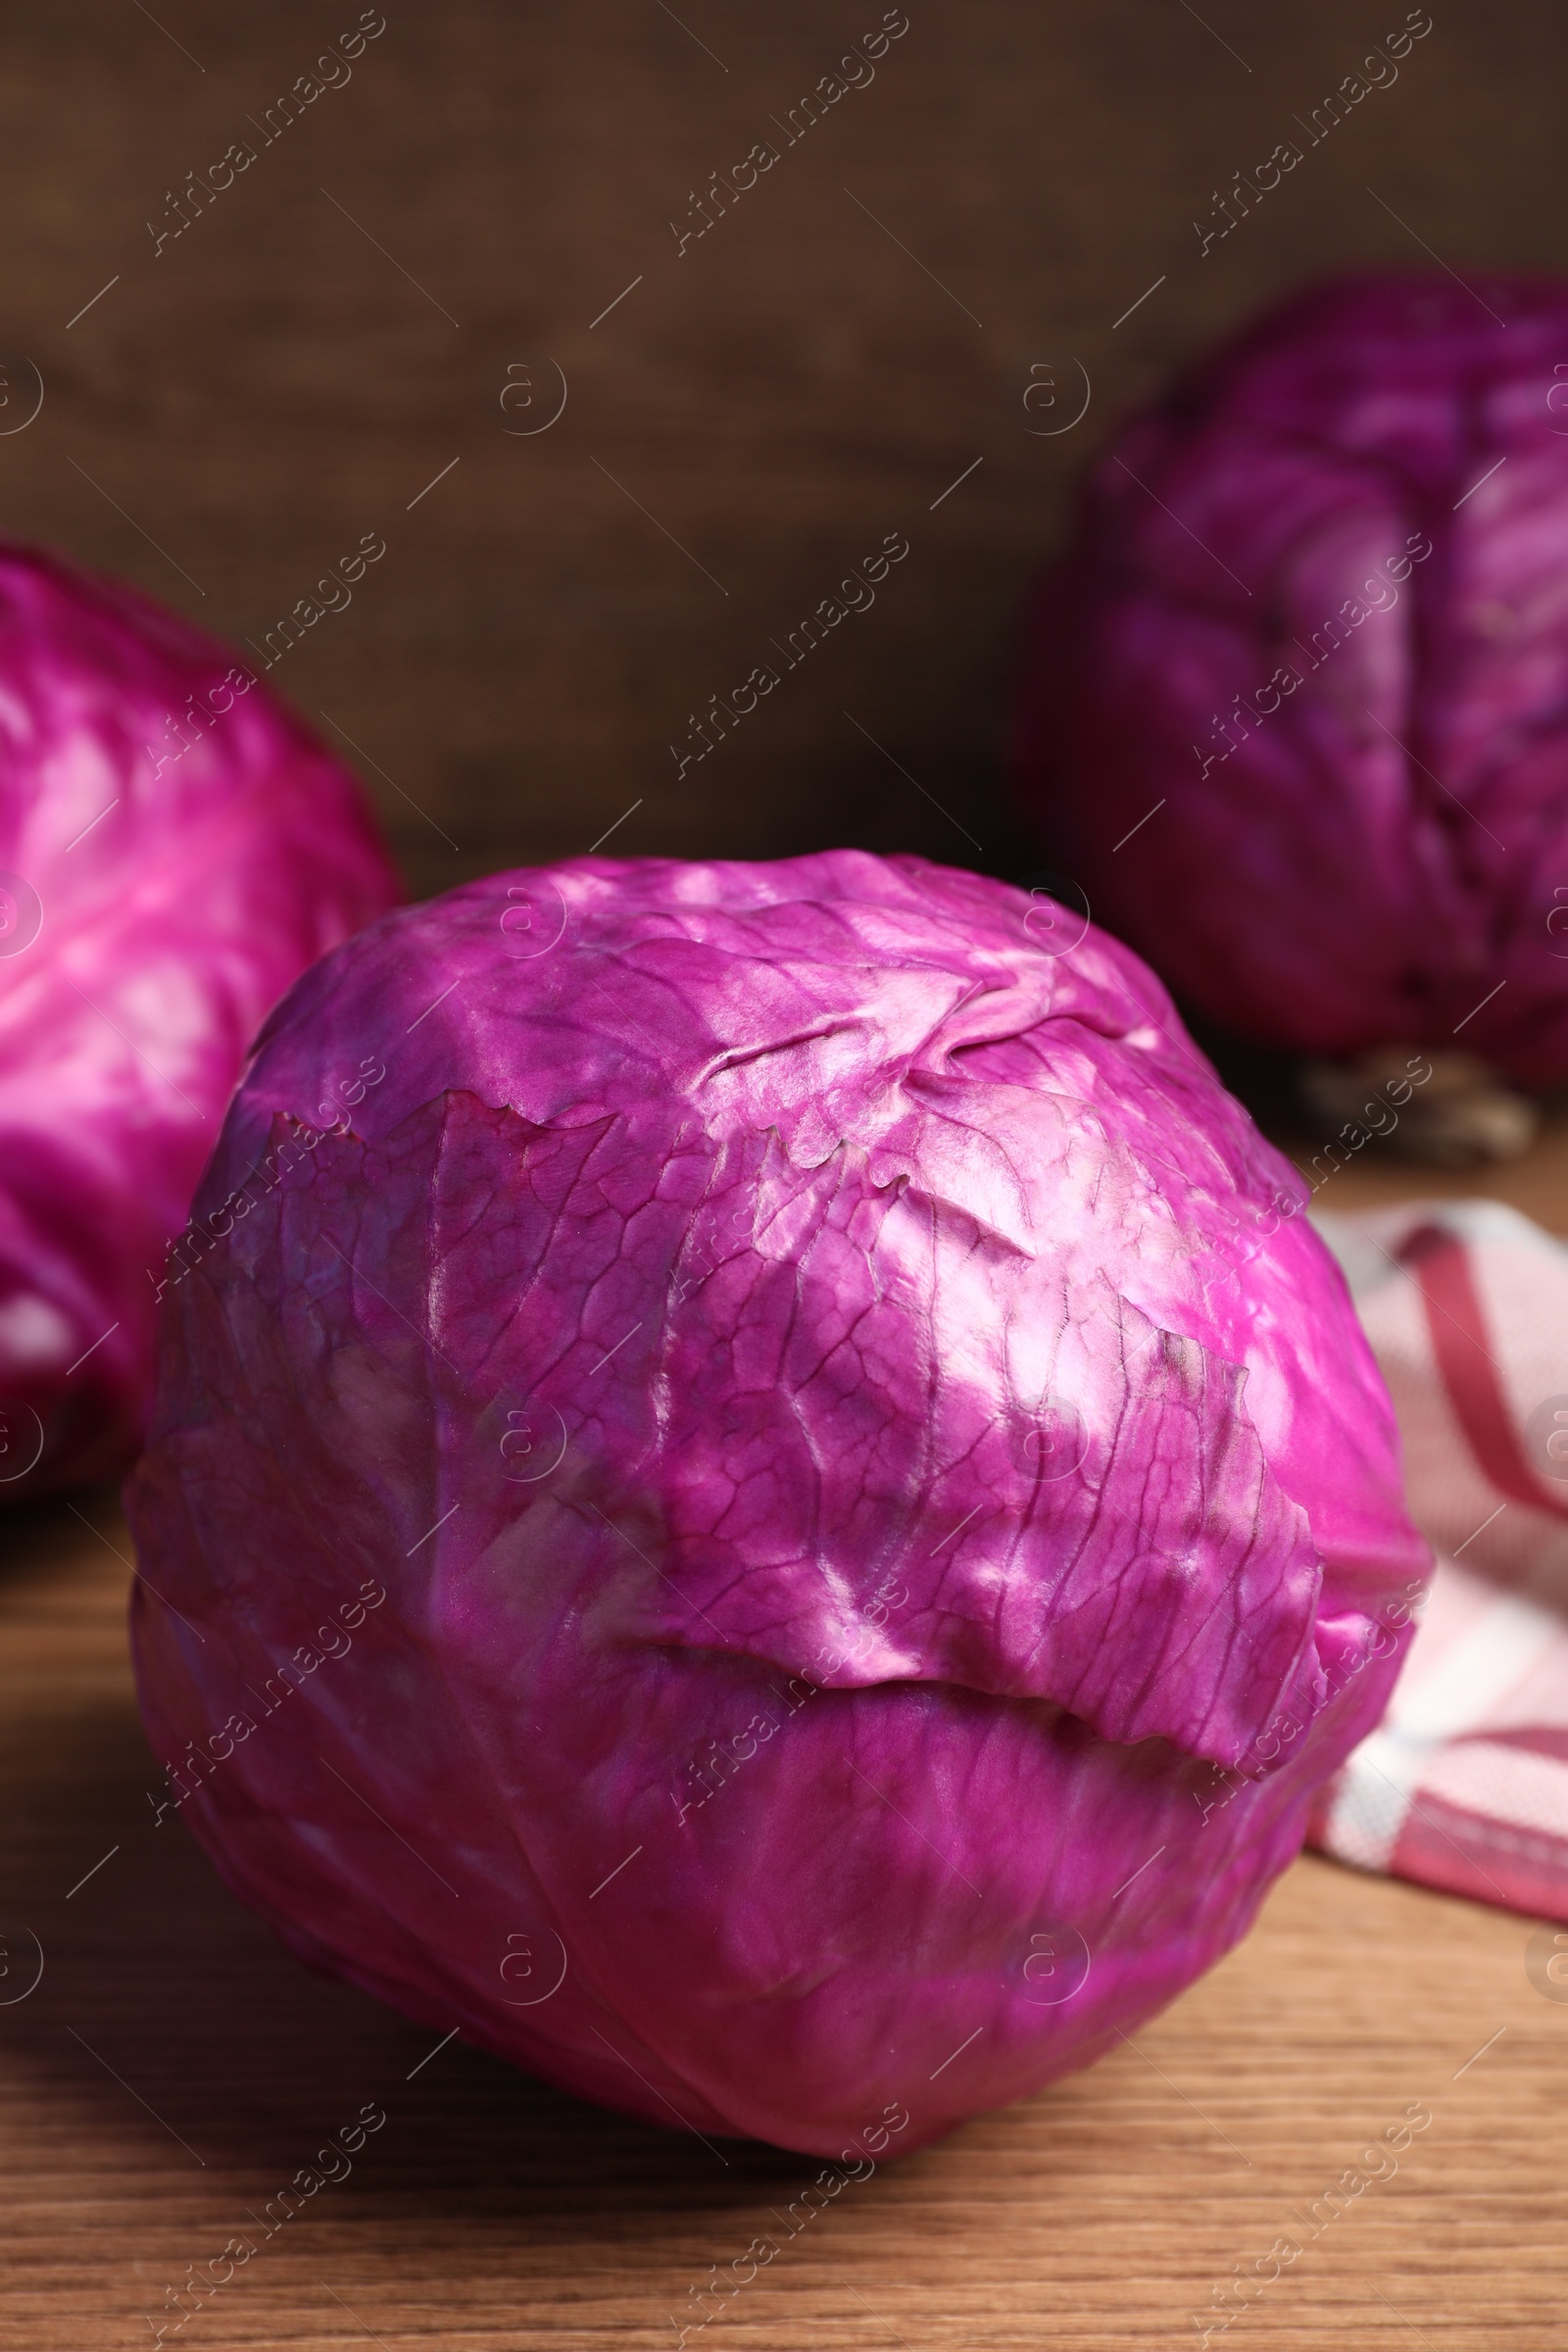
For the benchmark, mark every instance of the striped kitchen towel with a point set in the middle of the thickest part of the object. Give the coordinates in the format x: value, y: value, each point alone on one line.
x: 1464, y: 1784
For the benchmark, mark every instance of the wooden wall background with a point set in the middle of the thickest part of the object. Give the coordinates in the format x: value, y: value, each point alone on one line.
x: 336, y: 328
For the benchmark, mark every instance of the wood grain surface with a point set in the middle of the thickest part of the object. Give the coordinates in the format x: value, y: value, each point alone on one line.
x: 326, y: 350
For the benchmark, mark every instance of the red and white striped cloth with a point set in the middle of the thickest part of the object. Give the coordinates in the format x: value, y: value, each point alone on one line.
x: 1464, y: 1784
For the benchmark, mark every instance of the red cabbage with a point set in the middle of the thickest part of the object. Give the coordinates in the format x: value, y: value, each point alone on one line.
x: 781, y: 1521
x: 1295, y: 705
x: 174, y: 849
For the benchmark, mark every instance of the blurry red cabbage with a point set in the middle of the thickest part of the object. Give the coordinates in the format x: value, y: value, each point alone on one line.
x: 781, y: 1526
x: 174, y: 849
x: 1313, y: 615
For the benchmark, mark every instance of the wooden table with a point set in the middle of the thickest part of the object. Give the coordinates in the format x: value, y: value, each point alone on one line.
x: 173, y: 2068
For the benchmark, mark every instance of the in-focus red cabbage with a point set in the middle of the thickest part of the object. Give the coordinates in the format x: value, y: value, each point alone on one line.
x: 1314, y: 614
x: 782, y: 1524
x: 174, y: 849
